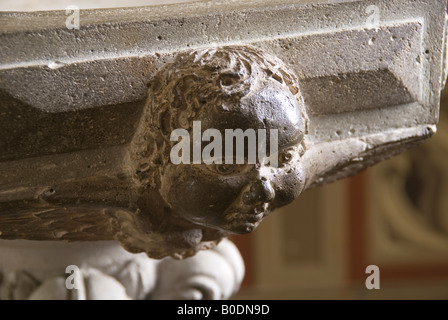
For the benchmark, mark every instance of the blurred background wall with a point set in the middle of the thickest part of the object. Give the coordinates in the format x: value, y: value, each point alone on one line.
x: 393, y: 215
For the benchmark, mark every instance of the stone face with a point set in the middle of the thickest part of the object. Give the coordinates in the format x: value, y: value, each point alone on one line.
x: 86, y: 114
x: 226, y: 88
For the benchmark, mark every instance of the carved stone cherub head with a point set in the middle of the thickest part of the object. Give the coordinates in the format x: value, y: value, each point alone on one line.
x: 224, y: 88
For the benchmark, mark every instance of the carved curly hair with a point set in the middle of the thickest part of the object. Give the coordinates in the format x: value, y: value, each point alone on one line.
x: 181, y: 90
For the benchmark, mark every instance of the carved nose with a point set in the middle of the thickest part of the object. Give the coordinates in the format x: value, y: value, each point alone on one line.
x: 259, y: 192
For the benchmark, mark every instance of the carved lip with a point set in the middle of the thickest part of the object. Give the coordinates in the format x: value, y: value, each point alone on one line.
x: 253, y: 218
x: 260, y: 209
x: 238, y: 216
x: 253, y: 215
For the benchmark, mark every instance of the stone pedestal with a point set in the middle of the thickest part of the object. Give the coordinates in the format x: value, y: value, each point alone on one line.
x: 104, y: 270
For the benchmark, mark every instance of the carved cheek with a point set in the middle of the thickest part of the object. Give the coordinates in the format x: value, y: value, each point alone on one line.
x: 197, y: 195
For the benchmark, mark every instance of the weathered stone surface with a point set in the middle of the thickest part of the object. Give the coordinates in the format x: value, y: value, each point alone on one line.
x: 80, y: 116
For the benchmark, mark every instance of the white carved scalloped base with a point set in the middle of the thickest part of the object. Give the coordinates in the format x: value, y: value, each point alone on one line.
x: 104, y: 270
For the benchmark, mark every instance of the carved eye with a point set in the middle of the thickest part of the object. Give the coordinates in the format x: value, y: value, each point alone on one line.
x: 286, y: 156
x: 225, y: 168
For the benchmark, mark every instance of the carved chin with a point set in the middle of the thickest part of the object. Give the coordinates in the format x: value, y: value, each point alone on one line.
x: 175, y: 236
x: 178, y: 245
x: 242, y: 227
x: 235, y: 222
